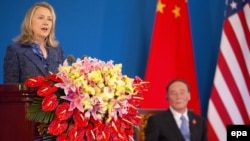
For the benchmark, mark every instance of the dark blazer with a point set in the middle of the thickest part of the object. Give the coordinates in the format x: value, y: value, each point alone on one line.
x: 21, y: 62
x: 162, y: 127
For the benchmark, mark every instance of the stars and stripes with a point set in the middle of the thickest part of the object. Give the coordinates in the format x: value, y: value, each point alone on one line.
x: 230, y: 96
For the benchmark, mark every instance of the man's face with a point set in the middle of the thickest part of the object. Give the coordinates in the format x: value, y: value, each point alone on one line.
x: 178, y: 96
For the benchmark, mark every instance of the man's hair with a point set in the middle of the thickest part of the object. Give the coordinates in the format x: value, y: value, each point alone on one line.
x: 177, y: 80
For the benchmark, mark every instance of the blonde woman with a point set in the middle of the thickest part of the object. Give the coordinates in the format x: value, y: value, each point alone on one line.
x: 35, y: 51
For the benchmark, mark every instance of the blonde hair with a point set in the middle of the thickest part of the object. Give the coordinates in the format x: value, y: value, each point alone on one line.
x: 26, y: 35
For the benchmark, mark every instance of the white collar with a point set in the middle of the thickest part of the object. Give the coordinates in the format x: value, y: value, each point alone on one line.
x: 178, y: 115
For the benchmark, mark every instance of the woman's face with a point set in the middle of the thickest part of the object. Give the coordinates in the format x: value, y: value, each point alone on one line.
x: 41, y: 23
x: 178, y: 96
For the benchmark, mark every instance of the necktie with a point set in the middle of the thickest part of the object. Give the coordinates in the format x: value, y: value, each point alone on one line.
x: 184, y: 128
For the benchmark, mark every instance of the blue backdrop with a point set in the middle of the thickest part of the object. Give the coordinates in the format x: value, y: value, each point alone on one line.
x: 121, y: 31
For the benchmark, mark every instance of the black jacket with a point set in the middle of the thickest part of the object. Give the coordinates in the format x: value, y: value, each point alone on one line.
x: 162, y: 127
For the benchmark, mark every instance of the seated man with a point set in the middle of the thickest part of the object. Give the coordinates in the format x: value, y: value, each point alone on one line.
x: 176, y: 123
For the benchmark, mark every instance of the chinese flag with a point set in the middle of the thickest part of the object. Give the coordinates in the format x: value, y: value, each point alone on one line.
x: 171, y: 55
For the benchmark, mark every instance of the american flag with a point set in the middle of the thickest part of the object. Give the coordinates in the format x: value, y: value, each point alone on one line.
x: 229, y: 103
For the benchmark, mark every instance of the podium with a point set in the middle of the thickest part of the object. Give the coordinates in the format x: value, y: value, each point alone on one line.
x: 14, y: 101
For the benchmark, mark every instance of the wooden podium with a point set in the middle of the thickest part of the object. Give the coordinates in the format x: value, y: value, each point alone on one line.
x: 14, y: 101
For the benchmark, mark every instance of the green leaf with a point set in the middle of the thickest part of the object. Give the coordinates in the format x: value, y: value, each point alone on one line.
x: 48, y: 138
x: 35, y: 112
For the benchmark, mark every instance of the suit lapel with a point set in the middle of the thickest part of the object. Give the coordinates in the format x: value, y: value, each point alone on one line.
x: 35, y: 59
x: 192, y: 124
x: 52, y: 58
x: 173, y: 124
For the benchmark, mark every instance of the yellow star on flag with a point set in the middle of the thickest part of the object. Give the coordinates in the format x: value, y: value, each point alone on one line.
x: 176, y: 11
x: 160, y: 6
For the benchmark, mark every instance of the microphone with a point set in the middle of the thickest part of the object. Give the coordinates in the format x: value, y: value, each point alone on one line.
x: 70, y: 59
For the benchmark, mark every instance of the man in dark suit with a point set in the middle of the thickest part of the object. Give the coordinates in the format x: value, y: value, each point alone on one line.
x: 168, y: 126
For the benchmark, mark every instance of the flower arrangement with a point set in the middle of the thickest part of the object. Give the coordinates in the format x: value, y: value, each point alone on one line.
x: 87, y: 100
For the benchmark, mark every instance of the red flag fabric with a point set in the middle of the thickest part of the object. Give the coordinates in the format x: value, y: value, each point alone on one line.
x: 230, y: 96
x: 171, y: 55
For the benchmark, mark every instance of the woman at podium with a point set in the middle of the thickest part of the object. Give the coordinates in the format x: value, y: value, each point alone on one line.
x: 35, y: 51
